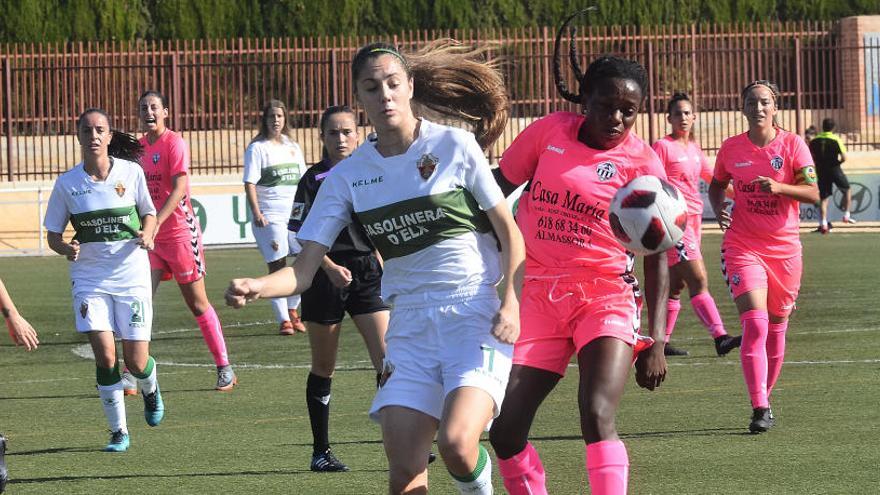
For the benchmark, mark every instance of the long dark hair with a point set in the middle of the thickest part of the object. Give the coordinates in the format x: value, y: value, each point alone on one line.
x: 452, y: 80
x: 329, y: 112
x: 264, y: 128
x: 122, y: 145
x: 604, y: 67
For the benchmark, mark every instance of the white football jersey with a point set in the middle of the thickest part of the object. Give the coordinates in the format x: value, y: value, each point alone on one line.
x: 424, y: 210
x: 276, y: 170
x: 106, y: 217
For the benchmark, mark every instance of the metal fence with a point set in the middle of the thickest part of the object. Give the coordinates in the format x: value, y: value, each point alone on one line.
x: 216, y: 87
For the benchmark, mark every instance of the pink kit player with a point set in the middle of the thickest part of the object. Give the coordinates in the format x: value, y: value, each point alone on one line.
x: 178, y: 252
x: 685, y: 164
x: 771, y: 171
x: 580, y: 295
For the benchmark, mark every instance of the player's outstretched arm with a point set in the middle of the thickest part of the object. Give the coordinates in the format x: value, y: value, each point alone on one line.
x: 651, y: 363
x: 505, y: 327
x: 21, y: 332
x: 288, y: 281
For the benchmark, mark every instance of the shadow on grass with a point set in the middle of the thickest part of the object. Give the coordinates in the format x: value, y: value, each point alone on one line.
x: 703, y: 432
x: 269, y: 472
x: 40, y: 397
x: 57, y: 450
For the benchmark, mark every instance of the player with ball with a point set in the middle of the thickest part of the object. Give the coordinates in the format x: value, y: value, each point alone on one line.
x: 580, y: 295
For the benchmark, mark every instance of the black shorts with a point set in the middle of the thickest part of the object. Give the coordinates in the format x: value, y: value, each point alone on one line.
x: 829, y: 178
x: 326, y: 304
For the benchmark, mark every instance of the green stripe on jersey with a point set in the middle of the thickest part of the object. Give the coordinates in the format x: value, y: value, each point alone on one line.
x: 408, y: 226
x: 283, y: 174
x: 108, y: 225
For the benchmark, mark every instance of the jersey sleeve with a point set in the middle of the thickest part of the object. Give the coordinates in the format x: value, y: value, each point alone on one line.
x: 801, y: 156
x: 333, y: 208
x: 705, y: 167
x: 57, y: 211
x: 840, y: 144
x: 302, y: 202
x: 520, y: 159
x: 178, y: 159
x: 651, y: 164
x: 142, y: 199
x: 660, y: 149
x: 252, y: 164
x: 720, y: 173
x: 478, y: 177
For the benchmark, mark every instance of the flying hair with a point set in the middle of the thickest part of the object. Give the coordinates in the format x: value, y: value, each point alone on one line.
x: 453, y: 81
x: 573, y: 59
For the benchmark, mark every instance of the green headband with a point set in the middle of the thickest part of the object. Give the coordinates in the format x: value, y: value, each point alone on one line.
x: 392, y: 52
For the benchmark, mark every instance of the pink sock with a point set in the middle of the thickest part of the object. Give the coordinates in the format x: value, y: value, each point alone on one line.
x: 523, y: 473
x: 707, y: 312
x: 673, y: 306
x: 212, y: 332
x: 608, y: 467
x: 775, y: 353
x: 753, y: 355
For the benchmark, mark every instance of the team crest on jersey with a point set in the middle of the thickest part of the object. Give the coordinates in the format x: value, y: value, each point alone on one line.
x: 155, y: 158
x: 296, y: 212
x: 776, y: 162
x: 426, y: 164
x: 120, y: 189
x: 84, y: 309
x: 605, y: 171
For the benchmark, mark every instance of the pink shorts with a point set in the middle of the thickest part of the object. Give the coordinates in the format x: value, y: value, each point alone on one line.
x: 185, y: 260
x: 688, y: 248
x: 745, y: 271
x: 558, y: 317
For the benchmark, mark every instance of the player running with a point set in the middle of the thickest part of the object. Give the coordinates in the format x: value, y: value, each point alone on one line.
x: 580, y: 295
x: 685, y: 164
x: 350, y: 280
x: 771, y: 171
x: 425, y: 195
x: 273, y: 165
x: 106, y: 200
x: 178, y: 251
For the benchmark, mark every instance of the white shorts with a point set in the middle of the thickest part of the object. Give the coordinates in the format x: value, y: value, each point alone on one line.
x: 433, y: 350
x: 274, y: 241
x: 128, y: 317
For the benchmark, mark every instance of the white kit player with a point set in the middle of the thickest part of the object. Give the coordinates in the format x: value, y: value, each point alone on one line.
x: 106, y: 200
x: 273, y: 166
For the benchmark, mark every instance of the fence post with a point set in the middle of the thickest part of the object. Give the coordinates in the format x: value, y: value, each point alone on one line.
x: 175, y: 89
x: 649, y: 58
x: 799, y: 86
x: 7, y: 90
x: 334, y: 77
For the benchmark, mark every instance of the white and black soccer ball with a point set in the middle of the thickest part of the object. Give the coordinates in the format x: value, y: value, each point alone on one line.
x: 648, y: 215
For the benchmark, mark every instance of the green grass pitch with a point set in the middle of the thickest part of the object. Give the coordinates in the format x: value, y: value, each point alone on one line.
x: 687, y: 437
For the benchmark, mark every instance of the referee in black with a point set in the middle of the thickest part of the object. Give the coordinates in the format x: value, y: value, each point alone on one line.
x: 829, y: 153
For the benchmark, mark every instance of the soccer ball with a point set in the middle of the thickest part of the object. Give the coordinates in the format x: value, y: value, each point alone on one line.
x: 648, y: 215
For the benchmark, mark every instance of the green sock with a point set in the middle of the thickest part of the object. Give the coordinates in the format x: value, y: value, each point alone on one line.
x: 107, y: 376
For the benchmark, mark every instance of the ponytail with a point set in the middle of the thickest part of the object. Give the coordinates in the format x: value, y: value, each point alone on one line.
x: 125, y: 147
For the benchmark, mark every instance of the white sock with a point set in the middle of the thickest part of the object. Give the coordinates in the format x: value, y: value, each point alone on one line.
x: 114, y: 406
x: 279, y: 307
x: 293, y: 301
x: 824, y: 222
x: 482, y: 477
x: 846, y: 215
x: 149, y: 384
